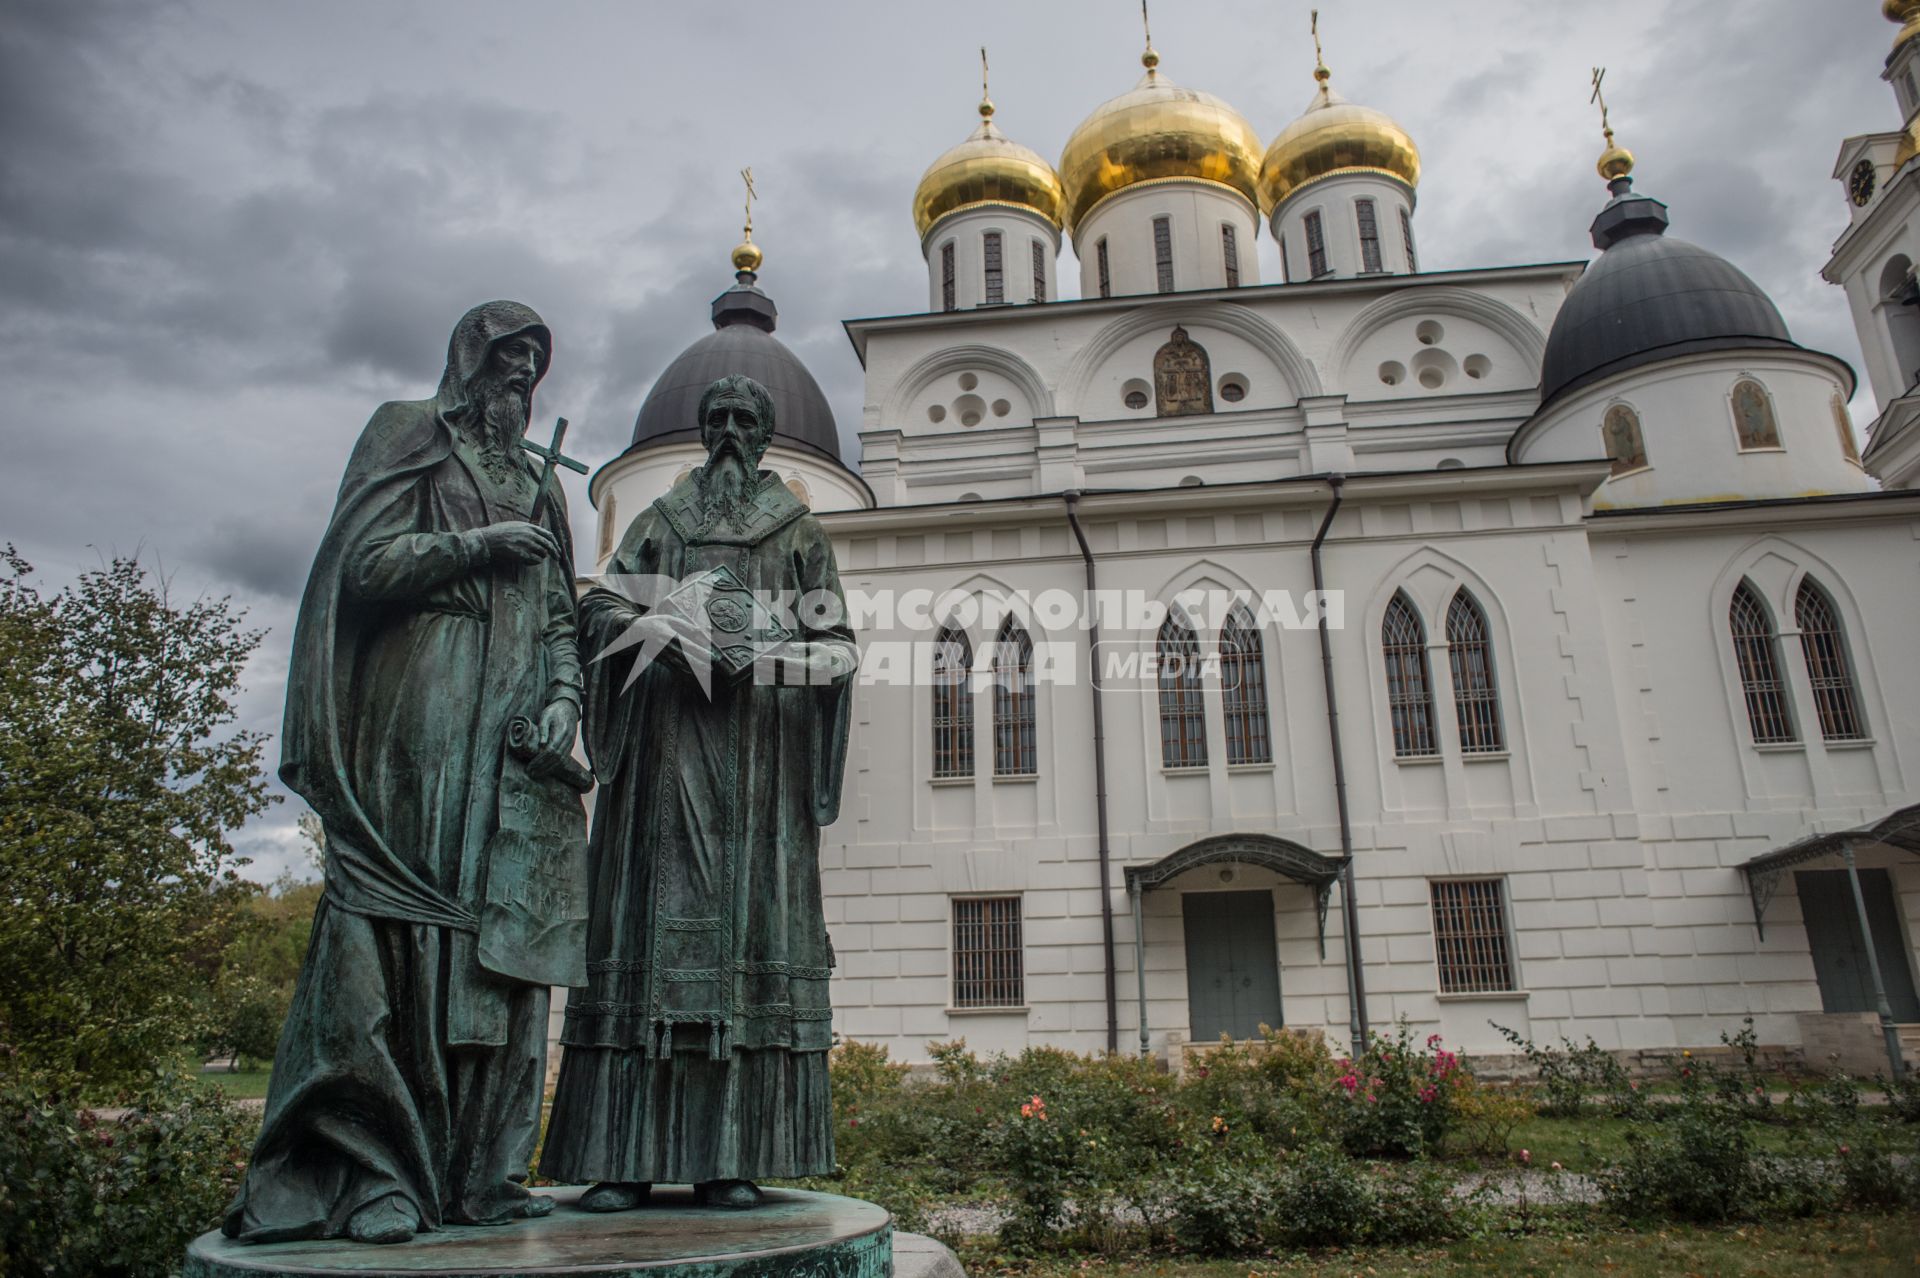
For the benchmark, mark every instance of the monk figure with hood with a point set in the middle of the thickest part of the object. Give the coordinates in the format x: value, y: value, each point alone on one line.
x: 434, y: 667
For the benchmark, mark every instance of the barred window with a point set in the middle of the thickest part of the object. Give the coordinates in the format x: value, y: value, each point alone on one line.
x: 1243, y: 688
x: 1825, y: 646
x: 1365, y: 214
x: 1476, y: 697
x: 1163, y: 253
x: 1106, y: 278
x: 996, y: 279
x: 1470, y: 940
x: 1039, y: 271
x: 1406, y: 236
x: 952, y: 704
x: 1316, y: 247
x: 987, y: 961
x: 947, y: 302
x: 1015, y: 747
x: 1230, y: 254
x: 1183, y: 714
x: 1403, y: 641
x: 1757, y: 652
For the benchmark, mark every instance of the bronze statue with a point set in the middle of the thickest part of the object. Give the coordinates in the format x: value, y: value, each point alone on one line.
x: 432, y: 701
x: 717, y: 726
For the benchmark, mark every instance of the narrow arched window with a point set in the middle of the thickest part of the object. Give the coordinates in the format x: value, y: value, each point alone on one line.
x: 1316, y: 246
x: 1106, y: 275
x: 1367, y: 217
x: 1039, y: 271
x: 1403, y: 641
x: 1015, y: 748
x: 1163, y: 253
x: 1476, y: 696
x: 1243, y: 689
x: 1183, y: 715
x: 952, y: 704
x: 1825, y: 646
x: 1406, y: 236
x: 1230, y: 254
x: 1753, y: 417
x: 996, y: 279
x: 1756, y: 650
x: 947, y: 298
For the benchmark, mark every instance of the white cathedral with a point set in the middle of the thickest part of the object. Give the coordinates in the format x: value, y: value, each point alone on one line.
x: 1608, y: 734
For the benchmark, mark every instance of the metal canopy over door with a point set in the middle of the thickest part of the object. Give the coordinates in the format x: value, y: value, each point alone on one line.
x: 1233, y: 969
x: 1839, y: 953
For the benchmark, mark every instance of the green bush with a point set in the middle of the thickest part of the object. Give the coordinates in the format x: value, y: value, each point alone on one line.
x: 1224, y: 1202
x: 1397, y: 1100
x: 1697, y: 1166
x: 87, y: 1197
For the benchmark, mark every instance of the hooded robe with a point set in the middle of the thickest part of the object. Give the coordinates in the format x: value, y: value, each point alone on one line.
x: 405, y: 1067
x: 698, y: 1050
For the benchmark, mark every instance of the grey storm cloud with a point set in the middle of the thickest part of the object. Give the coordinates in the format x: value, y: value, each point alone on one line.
x: 229, y: 230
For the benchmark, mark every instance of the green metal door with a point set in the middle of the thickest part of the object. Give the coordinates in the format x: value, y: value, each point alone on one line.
x: 1233, y: 970
x: 1839, y: 951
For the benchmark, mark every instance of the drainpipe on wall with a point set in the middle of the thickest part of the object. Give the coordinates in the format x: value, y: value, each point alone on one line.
x: 1099, y: 778
x: 1357, y: 1027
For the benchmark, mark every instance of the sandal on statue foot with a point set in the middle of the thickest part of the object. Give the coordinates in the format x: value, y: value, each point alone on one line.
x: 536, y: 1206
x: 735, y: 1194
x: 611, y: 1195
x: 388, y: 1220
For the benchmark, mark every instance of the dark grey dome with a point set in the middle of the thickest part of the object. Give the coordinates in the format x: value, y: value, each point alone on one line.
x: 1648, y: 298
x: 742, y: 342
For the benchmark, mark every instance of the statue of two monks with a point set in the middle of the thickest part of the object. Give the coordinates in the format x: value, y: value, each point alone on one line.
x: 433, y: 698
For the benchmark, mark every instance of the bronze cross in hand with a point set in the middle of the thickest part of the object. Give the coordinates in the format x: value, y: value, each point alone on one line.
x: 552, y: 456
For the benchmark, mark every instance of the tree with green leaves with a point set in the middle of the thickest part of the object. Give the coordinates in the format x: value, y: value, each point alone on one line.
x: 122, y: 780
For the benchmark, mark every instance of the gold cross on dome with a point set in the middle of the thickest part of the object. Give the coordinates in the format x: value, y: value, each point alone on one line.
x: 746, y: 175
x: 1600, y: 96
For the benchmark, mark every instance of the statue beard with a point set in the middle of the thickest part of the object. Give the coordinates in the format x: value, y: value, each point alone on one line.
x: 726, y: 489
x: 495, y: 420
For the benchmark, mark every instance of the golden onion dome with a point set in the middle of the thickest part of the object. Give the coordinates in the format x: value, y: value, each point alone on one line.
x: 1333, y: 137
x: 1907, y: 14
x: 1157, y: 132
x: 987, y: 168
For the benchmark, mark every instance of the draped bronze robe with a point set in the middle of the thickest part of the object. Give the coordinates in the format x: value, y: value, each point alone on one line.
x: 405, y: 1068
x: 698, y: 1050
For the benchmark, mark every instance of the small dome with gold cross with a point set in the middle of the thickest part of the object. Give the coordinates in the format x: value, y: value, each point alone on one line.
x: 987, y: 168
x: 1333, y: 137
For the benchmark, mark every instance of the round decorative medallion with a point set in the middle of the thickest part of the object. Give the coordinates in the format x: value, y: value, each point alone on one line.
x: 729, y: 615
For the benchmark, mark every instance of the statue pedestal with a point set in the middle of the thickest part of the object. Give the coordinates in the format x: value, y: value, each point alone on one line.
x: 792, y: 1235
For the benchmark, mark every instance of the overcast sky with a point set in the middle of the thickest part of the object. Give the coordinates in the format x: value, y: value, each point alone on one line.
x: 229, y: 229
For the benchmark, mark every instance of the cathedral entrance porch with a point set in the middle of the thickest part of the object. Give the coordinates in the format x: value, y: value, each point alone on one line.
x: 1233, y: 978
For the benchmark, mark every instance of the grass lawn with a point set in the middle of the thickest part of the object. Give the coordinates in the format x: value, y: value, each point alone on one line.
x: 247, y: 1084
x: 1845, y: 1244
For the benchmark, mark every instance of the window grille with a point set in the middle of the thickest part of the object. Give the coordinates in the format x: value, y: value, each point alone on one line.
x: 1039, y: 271
x: 1106, y: 279
x: 1316, y: 247
x: 1230, y: 254
x: 1163, y: 253
x: 1825, y: 646
x: 1753, y: 416
x: 1470, y: 939
x: 1758, y: 655
x: 947, y: 301
x: 1286, y: 262
x: 1406, y: 236
x: 987, y: 959
x: 952, y: 704
x: 996, y: 280
x: 1183, y: 714
x: 1015, y: 744
x: 1243, y: 689
x: 1403, y: 641
x: 1369, y: 235
x: 1476, y: 697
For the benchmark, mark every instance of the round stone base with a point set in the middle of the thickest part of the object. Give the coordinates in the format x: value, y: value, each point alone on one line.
x: 792, y: 1235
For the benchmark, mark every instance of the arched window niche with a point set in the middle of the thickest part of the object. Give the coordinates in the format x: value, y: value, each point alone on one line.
x: 1403, y: 645
x: 1754, y: 423
x: 1243, y: 689
x: 1183, y: 711
x: 1756, y: 651
x: 952, y: 704
x: 1625, y: 442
